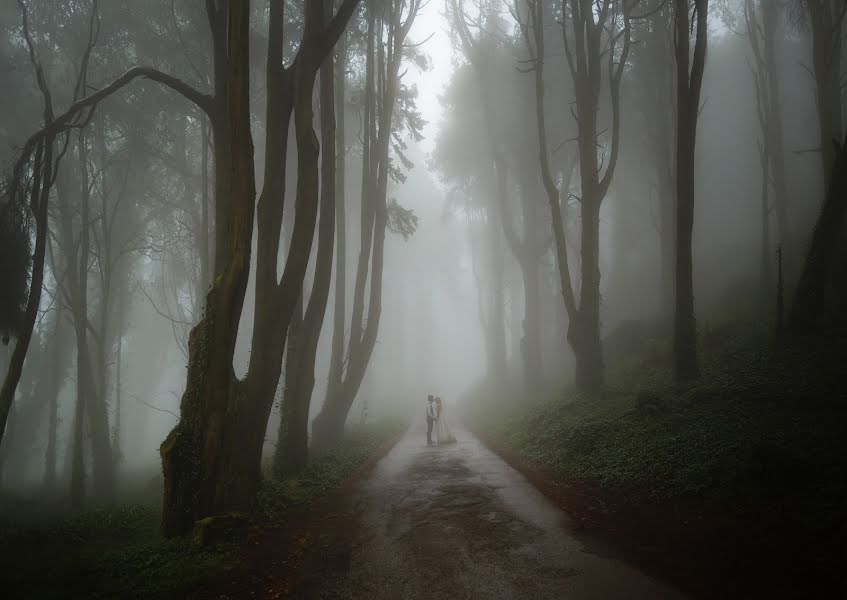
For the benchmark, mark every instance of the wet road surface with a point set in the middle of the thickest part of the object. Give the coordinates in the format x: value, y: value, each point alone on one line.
x: 457, y: 522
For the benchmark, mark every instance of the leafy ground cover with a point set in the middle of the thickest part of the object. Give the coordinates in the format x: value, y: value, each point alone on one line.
x: 753, y: 450
x: 118, y: 552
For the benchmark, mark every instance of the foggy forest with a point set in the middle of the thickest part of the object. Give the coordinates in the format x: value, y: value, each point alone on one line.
x: 423, y: 299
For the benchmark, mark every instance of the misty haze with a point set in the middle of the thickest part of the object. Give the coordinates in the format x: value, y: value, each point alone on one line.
x: 413, y: 299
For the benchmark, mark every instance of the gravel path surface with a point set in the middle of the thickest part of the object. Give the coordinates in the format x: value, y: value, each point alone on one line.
x: 456, y: 522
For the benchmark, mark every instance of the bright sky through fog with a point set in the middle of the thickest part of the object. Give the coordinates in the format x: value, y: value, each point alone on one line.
x: 431, y: 21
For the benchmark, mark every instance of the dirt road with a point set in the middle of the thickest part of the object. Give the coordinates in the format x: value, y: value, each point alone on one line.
x: 455, y: 522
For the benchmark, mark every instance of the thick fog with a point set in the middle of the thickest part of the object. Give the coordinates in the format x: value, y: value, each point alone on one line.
x: 471, y: 284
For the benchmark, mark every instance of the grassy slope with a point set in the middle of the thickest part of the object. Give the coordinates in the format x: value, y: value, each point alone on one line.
x: 759, y: 434
x: 119, y: 553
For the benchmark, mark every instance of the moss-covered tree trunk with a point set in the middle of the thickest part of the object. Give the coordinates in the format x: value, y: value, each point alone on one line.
x: 212, y: 459
x: 196, y: 455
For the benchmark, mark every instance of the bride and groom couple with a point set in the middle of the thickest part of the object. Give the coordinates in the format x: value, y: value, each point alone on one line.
x: 435, y: 416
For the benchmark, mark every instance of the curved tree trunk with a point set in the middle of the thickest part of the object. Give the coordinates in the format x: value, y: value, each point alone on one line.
x: 292, y: 449
x: 42, y: 183
x: 212, y: 458
x: 808, y: 307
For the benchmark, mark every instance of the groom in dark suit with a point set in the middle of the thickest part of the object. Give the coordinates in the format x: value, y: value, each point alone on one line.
x: 430, y: 419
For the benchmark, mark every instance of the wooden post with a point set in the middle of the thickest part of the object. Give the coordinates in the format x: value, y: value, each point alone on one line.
x: 779, y: 290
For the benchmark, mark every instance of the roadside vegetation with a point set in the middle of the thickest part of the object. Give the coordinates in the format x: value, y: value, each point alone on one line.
x: 756, y: 444
x: 119, y: 552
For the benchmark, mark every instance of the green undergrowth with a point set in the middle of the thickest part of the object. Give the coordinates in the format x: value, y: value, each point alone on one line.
x: 119, y: 553
x: 114, y: 553
x: 277, y: 497
x: 762, y: 430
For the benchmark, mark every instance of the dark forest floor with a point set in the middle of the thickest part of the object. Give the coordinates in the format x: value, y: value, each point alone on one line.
x: 118, y: 552
x: 733, y: 486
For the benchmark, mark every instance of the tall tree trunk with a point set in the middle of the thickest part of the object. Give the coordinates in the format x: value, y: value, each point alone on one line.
x: 205, y: 259
x: 198, y: 480
x: 287, y: 458
x: 663, y: 139
x: 292, y: 448
x: 765, y: 278
x: 584, y: 330
x: 762, y: 23
x: 385, y: 57
x: 77, y: 491
x: 42, y: 182
x: 806, y: 316
x: 776, y: 138
x: 667, y: 249
x: 531, y: 342
x: 328, y: 426
x: 689, y: 81
x: 825, y: 20
x: 98, y: 418
x: 496, y: 313
x: 57, y: 368
x: 535, y: 47
x: 89, y: 405
x: 498, y: 215
x: 585, y: 47
x: 336, y: 363
x: 116, y: 443
x: 212, y: 458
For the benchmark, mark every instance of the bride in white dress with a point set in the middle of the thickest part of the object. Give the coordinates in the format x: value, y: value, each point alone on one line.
x: 442, y: 429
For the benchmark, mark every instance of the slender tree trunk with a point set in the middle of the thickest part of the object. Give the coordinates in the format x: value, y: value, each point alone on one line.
x: 336, y: 368
x: 98, y: 418
x: 662, y: 136
x: 118, y: 363
x: 497, y: 318
x: 776, y: 139
x: 667, y: 248
x: 498, y: 216
x: 328, y: 426
x: 585, y: 48
x: 536, y: 48
x: 765, y: 278
x: 531, y: 342
x: 77, y: 491
x: 204, y: 206
x: 292, y: 449
x: 386, y: 57
x: 584, y: 330
x: 686, y: 364
x: 57, y: 367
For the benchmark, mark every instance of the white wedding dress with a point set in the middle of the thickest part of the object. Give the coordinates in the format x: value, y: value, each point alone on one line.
x: 443, y: 435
